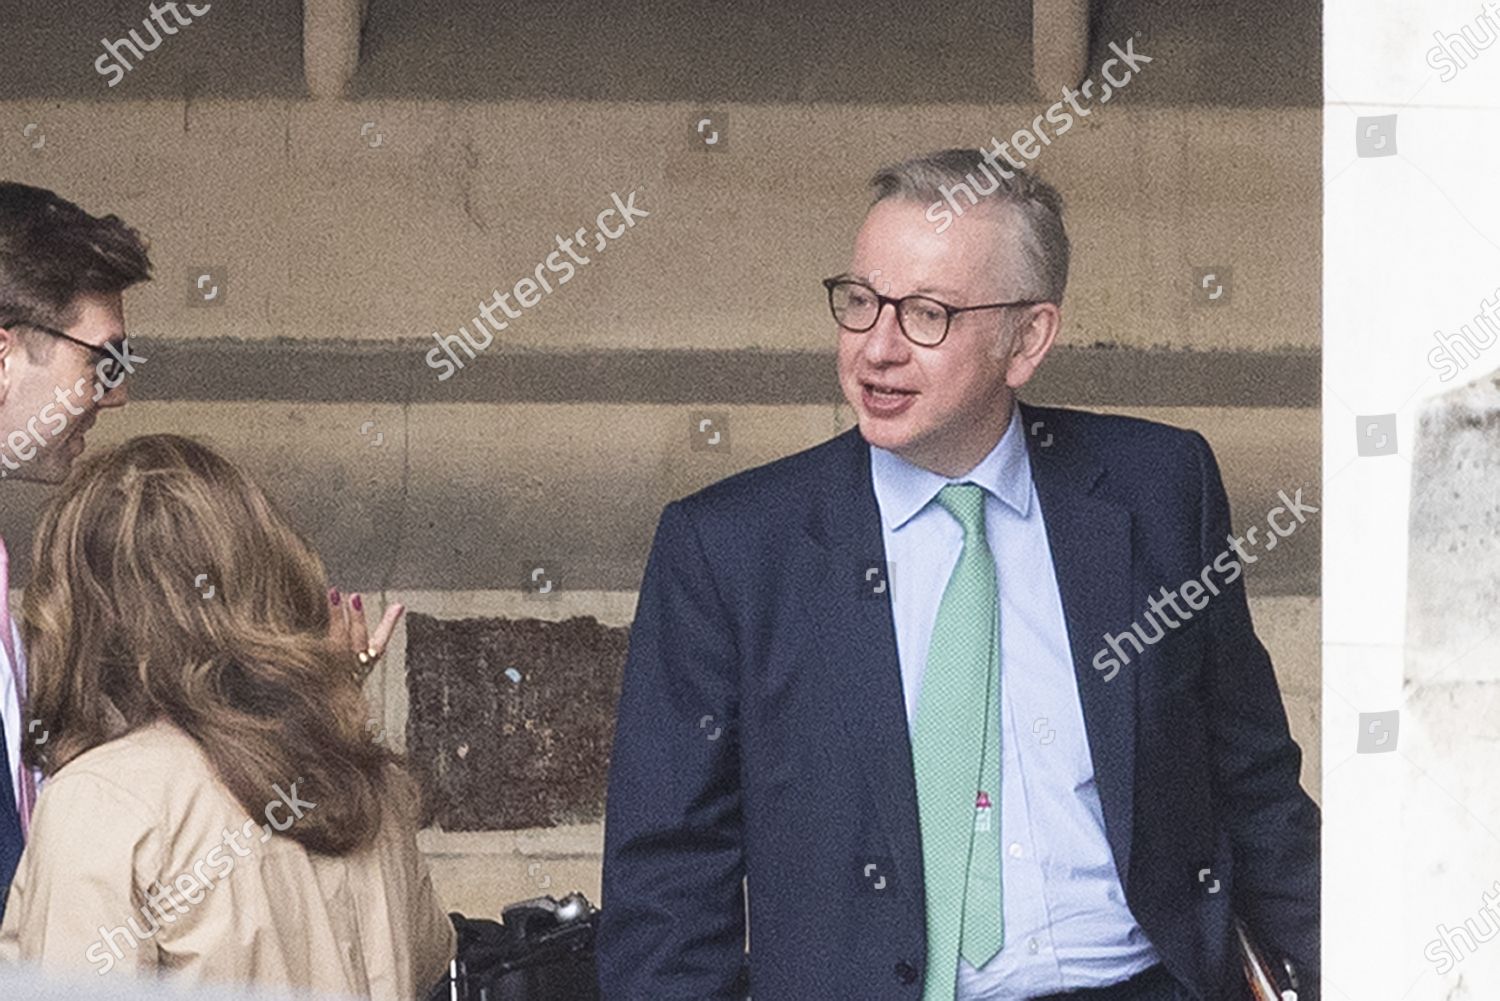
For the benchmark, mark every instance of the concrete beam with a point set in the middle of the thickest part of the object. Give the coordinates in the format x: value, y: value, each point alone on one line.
x: 375, y: 220
x: 332, y: 371
x: 1059, y: 44
x: 474, y: 496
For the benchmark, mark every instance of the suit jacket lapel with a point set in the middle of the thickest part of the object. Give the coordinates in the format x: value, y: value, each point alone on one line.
x: 857, y: 634
x: 1090, y: 542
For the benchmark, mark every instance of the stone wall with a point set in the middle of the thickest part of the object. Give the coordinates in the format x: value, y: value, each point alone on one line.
x: 337, y: 258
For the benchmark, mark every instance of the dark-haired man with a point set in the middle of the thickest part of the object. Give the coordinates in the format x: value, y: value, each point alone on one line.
x: 63, y: 358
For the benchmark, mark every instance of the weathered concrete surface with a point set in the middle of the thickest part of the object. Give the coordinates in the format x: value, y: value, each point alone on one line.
x: 783, y: 50
x: 231, y: 50
x: 390, y: 220
x: 786, y: 50
x: 478, y: 874
x: 467, y: 496
x: 306, y: 371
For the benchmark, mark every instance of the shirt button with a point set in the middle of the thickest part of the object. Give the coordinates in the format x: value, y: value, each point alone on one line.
x: 906, y: 973
x: 1015, y: 849
x: 1032, y: 946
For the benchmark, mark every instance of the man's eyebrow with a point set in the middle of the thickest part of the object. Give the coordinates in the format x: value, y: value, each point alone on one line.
x: 943, y: 290
x: 931, y: 290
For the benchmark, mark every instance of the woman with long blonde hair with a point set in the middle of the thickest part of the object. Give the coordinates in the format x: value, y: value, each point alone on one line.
x: 216, y: 807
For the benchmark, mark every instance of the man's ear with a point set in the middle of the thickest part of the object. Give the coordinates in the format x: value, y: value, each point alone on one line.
x: 1032, y: 339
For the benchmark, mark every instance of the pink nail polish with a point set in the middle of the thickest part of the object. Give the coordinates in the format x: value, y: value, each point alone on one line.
x: 358, y: 605
x: 333, y: 595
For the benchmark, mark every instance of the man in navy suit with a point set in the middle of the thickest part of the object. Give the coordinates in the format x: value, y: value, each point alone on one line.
x: 912, y: 703
x: 63, y: 358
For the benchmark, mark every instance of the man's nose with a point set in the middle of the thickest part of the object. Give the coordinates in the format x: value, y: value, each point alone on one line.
x: 116, y: 397
x: 885, y: 342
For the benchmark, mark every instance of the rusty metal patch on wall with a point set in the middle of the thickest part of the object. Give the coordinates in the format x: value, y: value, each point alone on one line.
x: 511, y: 720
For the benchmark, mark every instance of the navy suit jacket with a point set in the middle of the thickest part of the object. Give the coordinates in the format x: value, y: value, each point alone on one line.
x: 762, y: 732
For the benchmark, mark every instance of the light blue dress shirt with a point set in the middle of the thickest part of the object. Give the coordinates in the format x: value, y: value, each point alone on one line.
x: 1066, y: 923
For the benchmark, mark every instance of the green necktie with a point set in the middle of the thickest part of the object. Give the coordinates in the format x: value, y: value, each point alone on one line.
x: 956, y: 758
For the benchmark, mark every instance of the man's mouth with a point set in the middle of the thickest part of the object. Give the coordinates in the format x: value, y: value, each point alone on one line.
x: 883, y: 400
x: 886, y: 391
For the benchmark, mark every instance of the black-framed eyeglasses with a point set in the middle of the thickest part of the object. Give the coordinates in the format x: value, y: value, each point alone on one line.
x: 111, y: 362
x: 923, y: 320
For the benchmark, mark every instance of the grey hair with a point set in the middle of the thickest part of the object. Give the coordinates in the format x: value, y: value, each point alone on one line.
x: 942, y: 176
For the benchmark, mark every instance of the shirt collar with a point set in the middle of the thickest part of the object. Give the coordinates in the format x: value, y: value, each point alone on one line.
x: 902, y: 489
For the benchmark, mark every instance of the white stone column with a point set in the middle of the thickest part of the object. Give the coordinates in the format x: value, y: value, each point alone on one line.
x: 1453, y: 580
x: 1449, y: 727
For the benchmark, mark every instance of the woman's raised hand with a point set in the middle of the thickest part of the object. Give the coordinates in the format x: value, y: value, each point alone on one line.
x: 348, y: 631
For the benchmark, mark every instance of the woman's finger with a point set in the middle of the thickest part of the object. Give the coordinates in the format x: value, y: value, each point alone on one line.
x: 359, y: 632
x: 338, y: 621
x: 382, y: 637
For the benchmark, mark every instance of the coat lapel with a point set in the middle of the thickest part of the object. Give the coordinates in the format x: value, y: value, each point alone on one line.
x: 857, y: 635
x: 1090, y: 542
